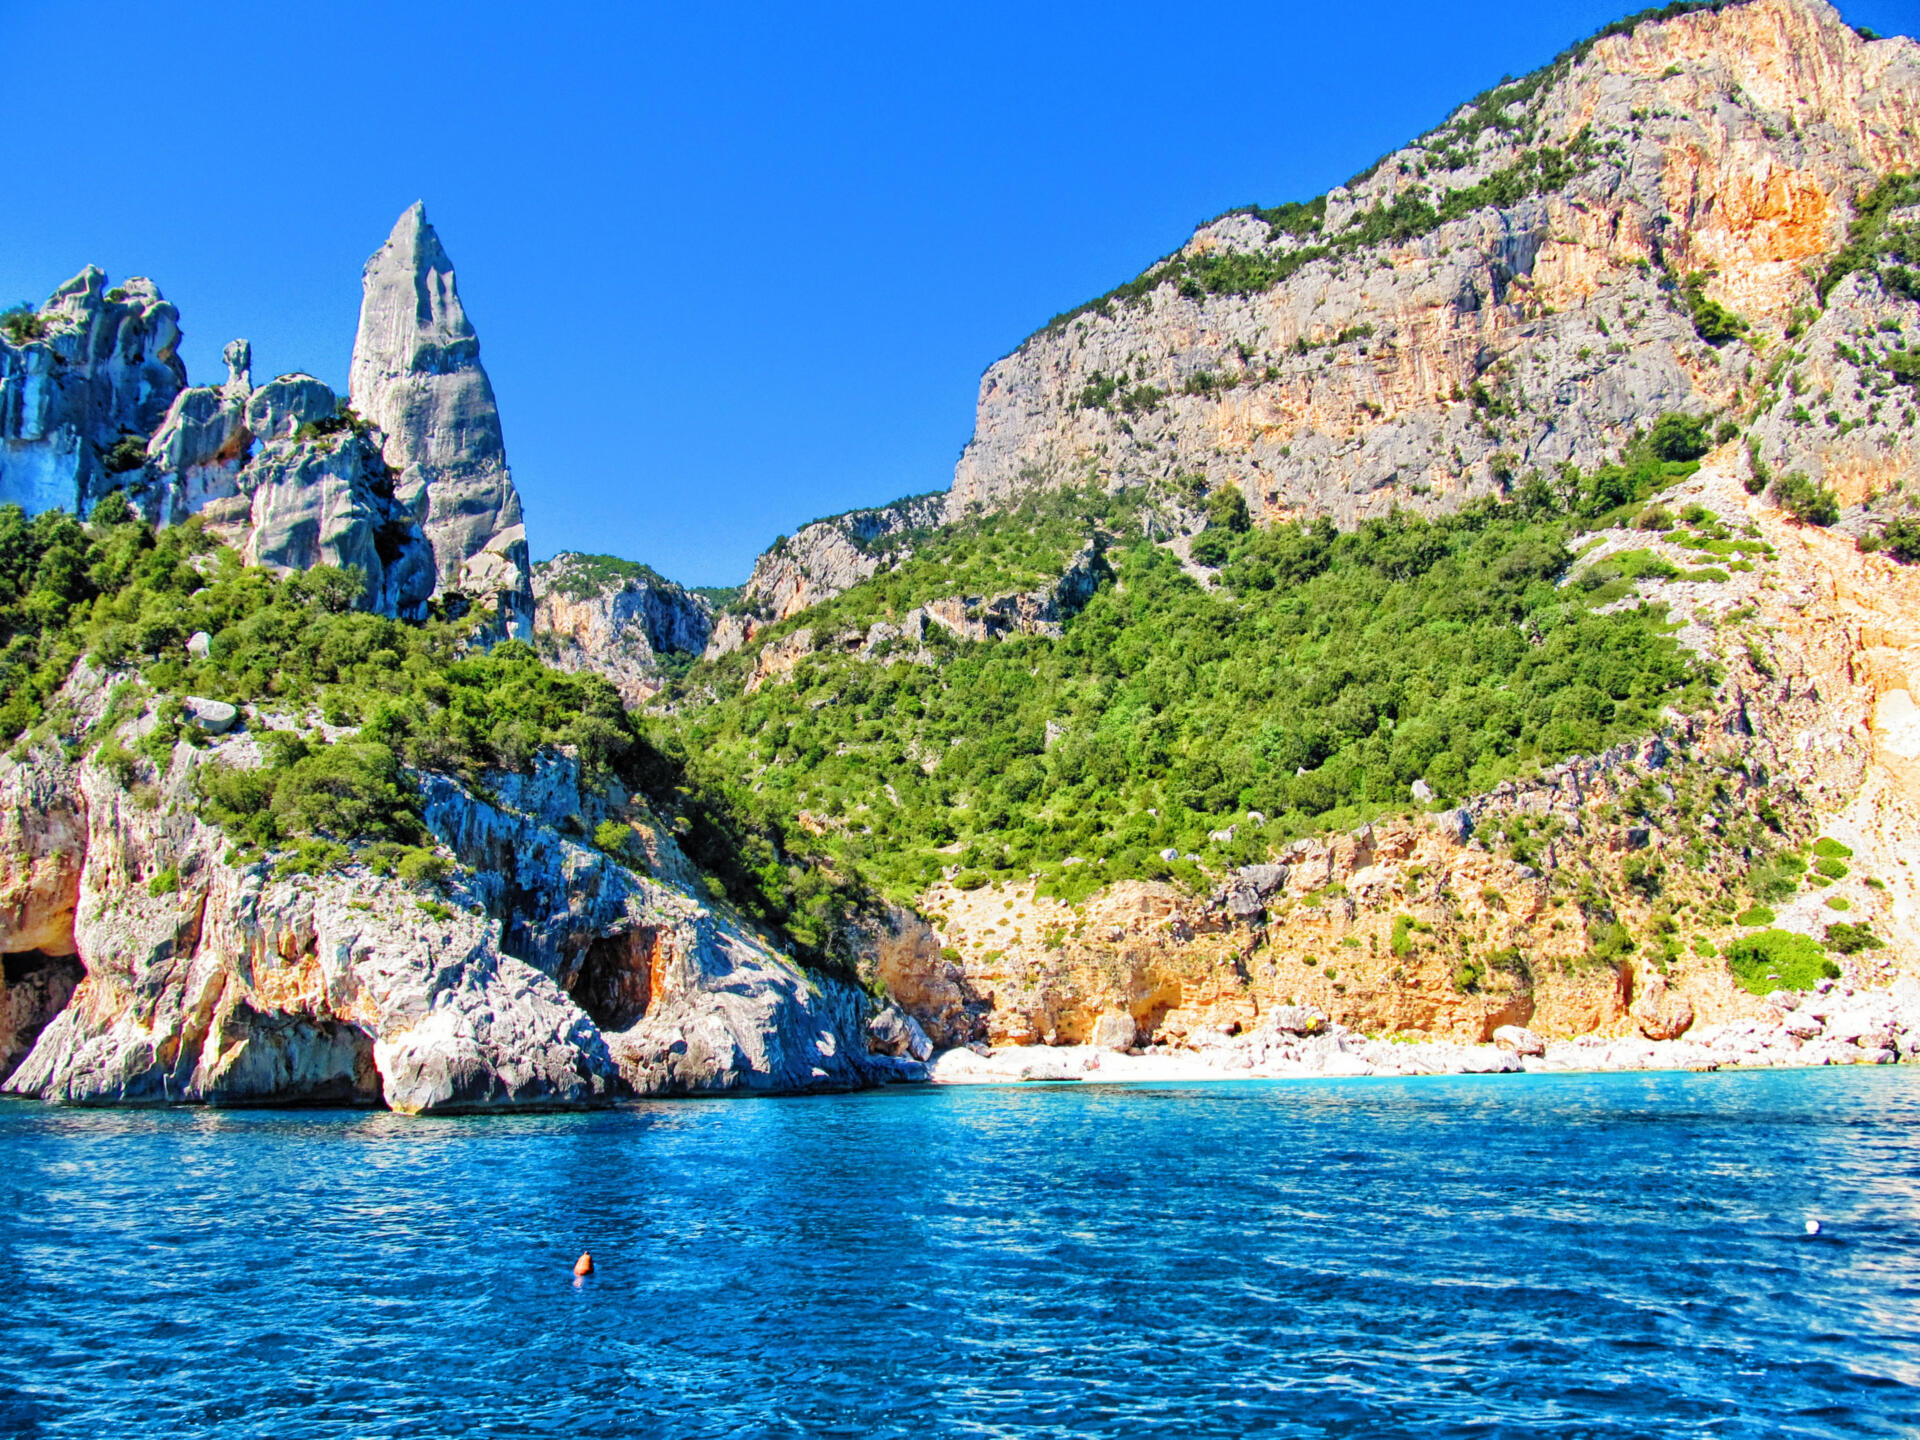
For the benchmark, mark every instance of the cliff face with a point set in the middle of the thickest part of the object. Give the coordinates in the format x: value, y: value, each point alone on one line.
x: 542, y: 973
x: 617, y: 620
x: 1518, y: 289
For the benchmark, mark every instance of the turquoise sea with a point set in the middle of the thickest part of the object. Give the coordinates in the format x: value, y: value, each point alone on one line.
x: 1565, y: 1256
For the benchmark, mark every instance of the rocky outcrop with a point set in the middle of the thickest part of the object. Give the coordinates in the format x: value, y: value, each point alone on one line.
x: 617, y: 619
x: 821, y: 560
x: 544, y: 973
x: 1536, y: 318
x: 290, y: 481
x: 1838, y: 414
x: 418, y: 379
x: 83, y: 382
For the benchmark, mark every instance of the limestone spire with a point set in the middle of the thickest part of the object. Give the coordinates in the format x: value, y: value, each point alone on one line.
x: 417, y: 376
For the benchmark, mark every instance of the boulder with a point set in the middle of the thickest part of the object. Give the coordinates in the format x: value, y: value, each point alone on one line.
x: 1519, y: 1040
x: 1115, y: 1030
x: 215, y: 717
x: 1802, y: 1026
x: 892, y: 1031
x: 200, y: 645
x: 1661, y: 1014
x: 1298, y: 1020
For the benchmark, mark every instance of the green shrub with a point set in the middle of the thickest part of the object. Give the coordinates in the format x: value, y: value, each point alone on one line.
x: 1901, y: 539
x: 167, y: 882
x: 1850, y: 939
x: 420, y: 866
x: 1778, y: 960
x: 22, y: 323
x: 1807, y: 502
x: 1676, y: 436
x: 1828, y: 848
x: 1832, y: 869
x: 1402, y: 942
x: 1209, y: 548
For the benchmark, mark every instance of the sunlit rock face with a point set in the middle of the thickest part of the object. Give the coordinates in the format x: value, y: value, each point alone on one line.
x: 417, y: 377
x: 1538, y: 322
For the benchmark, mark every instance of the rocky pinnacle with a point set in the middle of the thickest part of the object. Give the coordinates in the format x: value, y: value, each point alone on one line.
x: 417, y: 376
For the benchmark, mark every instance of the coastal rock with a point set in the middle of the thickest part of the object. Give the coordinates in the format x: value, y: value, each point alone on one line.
x: 1298, y: 1020
x: 1519, y: 1039
x: 543, y: 974
x: 1115, y: 1030
x: 1660, y: 1013
x: 417, y: 377
x: 894, y: 1032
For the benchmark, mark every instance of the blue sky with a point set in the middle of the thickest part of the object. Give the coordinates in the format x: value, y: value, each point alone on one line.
x: 733, y: 266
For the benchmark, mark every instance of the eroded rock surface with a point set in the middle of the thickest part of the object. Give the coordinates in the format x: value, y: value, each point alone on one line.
x: 544, y: 974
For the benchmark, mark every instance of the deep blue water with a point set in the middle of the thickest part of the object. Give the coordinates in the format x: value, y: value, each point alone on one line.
x: 1559, y: 1256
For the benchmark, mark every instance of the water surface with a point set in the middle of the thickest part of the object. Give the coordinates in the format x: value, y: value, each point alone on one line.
x: 1564, y: 1256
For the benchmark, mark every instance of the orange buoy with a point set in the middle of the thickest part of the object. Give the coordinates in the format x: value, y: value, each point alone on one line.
x: 584, y: 1265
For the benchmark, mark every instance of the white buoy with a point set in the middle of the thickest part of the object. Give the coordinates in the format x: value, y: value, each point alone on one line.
x: 1813, y: 1227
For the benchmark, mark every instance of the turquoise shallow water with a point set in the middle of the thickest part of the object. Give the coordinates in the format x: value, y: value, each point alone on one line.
x: 1545, y: 1256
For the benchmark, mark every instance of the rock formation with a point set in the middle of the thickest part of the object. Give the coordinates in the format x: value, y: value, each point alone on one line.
x: 1520, y: 288
x: 617, y: 619
x: 821, y: 560
x: 83, y: 382
x: 544, y: 974
x: 418, y: 379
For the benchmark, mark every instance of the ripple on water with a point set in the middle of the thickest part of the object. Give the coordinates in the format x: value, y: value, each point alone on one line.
x: 1575, y: 1255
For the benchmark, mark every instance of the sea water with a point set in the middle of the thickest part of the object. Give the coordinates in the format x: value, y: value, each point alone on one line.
x: 1562, y: 1256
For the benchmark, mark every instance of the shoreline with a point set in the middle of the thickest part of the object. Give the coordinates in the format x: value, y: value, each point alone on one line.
x: 1829, y: 1025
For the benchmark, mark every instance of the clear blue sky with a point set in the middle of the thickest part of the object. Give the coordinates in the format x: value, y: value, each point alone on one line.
x: 733, y: 266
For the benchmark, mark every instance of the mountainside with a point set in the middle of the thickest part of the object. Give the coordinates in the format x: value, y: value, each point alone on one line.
x: 1631, y: 331
x: 1629, y: 231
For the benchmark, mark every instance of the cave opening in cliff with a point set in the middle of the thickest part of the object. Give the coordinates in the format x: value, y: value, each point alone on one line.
x: 615, y: 981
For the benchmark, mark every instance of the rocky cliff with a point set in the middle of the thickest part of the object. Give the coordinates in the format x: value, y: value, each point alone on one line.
x: 821, y: 560
x: 1630, y: 231
x: 151, y: 960
x: 617, y: 619
x: 83, y: 382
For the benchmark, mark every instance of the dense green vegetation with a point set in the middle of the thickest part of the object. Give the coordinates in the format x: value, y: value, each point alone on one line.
x: 1778, y: 960
x: 1326, y: 674
x: 422, y: 697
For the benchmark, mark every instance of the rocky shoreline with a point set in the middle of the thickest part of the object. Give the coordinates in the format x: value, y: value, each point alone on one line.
x: 1829, y: 1025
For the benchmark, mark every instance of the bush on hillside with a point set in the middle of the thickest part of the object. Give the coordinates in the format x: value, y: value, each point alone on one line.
x: 1778, y: 960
